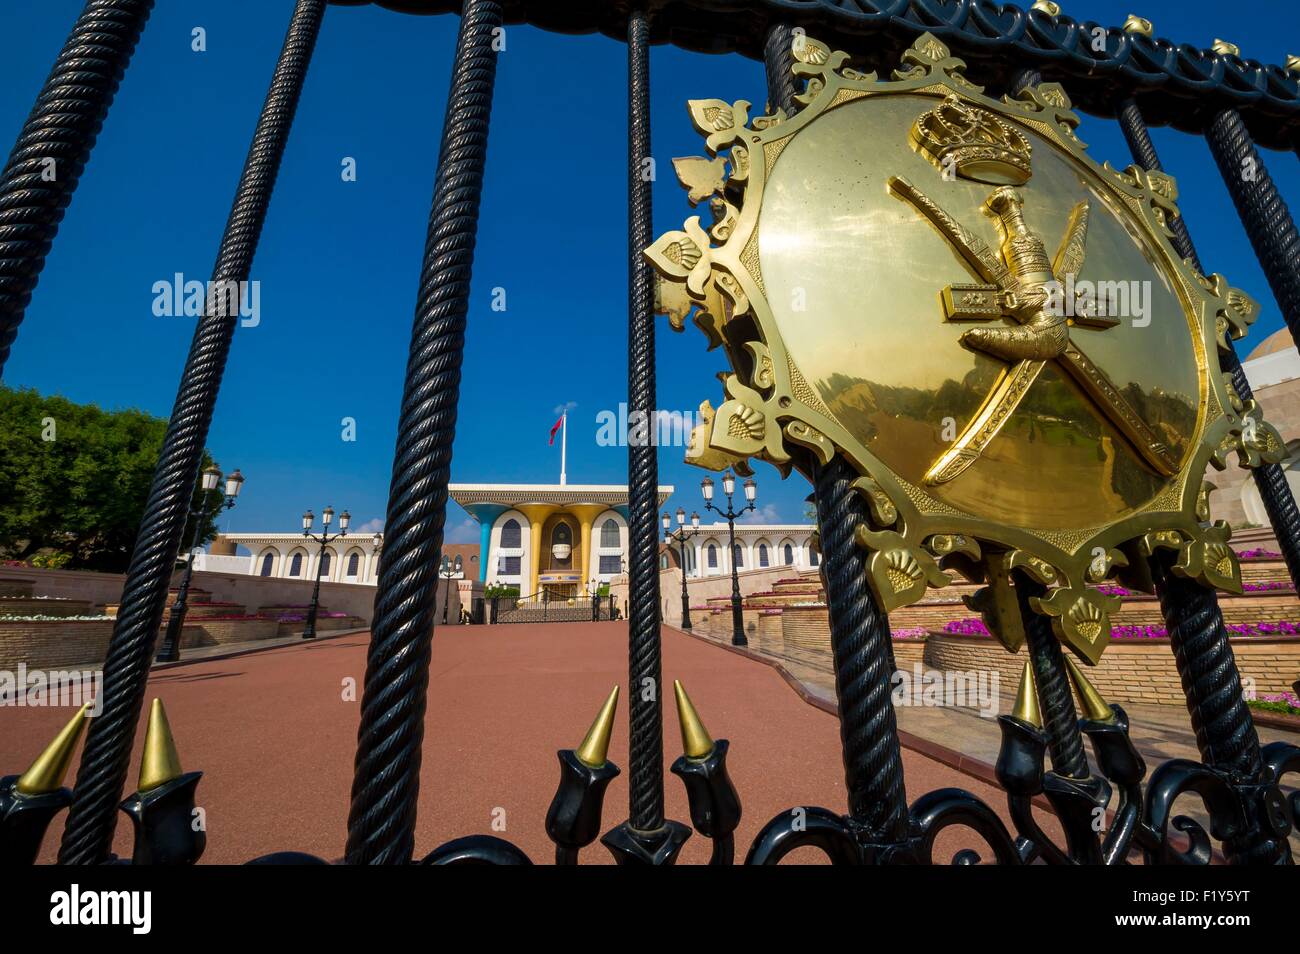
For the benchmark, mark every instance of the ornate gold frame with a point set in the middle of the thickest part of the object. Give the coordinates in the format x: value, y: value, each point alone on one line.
x: 772, y: 413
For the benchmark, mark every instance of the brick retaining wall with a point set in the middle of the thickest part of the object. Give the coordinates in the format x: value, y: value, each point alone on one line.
x: 1129, y: 671
x: 48, y: 644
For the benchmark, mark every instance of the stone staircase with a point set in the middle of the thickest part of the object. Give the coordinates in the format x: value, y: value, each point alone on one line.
x: 792, y: 614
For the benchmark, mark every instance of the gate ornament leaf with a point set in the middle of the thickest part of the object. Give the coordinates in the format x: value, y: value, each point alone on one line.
x: 992, y: 328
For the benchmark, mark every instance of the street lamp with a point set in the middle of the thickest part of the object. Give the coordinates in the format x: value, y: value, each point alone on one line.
x: 377, y: 541
x: 681, y: 535
x: 170, y: 651
x: 446, y: 571
x: 326, y: 518
x: 729, y: 488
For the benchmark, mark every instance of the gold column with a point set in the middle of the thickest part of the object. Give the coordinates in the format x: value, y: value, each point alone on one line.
x: 586, y: 514
x: 536, y: 514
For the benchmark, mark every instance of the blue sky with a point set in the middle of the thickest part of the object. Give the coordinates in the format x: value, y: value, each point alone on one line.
x: 339, y: 261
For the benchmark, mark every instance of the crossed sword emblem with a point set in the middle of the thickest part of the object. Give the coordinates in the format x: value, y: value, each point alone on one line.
x: 1014, y: 284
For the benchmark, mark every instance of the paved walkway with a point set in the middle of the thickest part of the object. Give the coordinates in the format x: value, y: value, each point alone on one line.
x: 1160, y: 733
x: 275, y: 734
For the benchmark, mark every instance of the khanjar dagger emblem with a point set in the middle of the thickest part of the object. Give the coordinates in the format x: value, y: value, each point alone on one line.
x: 1022, y: 284
x: 862, y: 301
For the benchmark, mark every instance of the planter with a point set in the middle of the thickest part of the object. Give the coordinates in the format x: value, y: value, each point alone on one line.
x: 48, y: 644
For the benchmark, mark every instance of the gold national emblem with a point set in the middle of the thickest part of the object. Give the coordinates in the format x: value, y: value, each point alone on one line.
x: 993, y: 329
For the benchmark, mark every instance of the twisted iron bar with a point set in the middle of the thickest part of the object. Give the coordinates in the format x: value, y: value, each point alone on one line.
x: 1274, y: 491
x: 778, y: 63
x: 385, y: 786
x: 860, y: 644
x: 1262, y: 210
x: 1060, y: 721
x: 646, y: 757
x: 88, y: 836
x: 1225, y: 731
x: 56, y: 140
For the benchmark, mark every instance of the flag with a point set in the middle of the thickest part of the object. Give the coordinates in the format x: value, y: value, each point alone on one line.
x: 554, y: 429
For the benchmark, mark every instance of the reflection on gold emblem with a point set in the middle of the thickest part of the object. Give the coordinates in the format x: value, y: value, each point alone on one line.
x: 1058, y: 436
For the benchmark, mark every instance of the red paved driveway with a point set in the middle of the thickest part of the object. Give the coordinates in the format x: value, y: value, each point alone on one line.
x: 275, y: 738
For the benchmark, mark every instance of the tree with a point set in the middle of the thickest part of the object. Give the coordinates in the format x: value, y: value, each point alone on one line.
x: 75, y: 478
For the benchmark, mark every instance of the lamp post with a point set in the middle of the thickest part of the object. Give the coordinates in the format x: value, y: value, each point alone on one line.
x: 729, y: 488
x: 446, y: 572
x: 170, y: 651
x: 681, y: 535
x: 377, y: 541
x: 326, y: 518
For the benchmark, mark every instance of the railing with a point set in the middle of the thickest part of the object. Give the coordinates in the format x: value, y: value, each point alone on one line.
x: 1236, y: 103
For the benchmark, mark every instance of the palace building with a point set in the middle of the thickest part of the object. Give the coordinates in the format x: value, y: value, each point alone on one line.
x: 559, y: 539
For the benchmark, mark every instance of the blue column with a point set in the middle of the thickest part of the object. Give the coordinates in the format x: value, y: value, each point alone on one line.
x: 486, y: 514
x: 484, y: 538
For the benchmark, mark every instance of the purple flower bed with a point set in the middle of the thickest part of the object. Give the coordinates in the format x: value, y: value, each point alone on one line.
x: 299, y: 619
x: 1284, y: 702
x: 1110, y: 589
x: 910, y: 632
x: 976, y: 627
x: 1268, y: 585
x: 1258, y: 553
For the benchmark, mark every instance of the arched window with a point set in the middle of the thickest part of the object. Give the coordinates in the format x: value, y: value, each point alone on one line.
x: 561, y: 537
x: 762, y: 554
x: 459, y: 563
x: 787, y: 555
x: 813, y: 558
x: 353, y: 563
x: 713, y: 557
x: 609, y: 536
x: 267, y: 562
x: 510, y: 534
x: 325, y: 563
x: 295, y: 565
x: 737, y: 556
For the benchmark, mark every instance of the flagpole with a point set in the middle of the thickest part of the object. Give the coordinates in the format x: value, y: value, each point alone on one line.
x: 564, y: 445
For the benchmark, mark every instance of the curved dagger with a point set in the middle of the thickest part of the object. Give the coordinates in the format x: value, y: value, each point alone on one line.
x: 997, y: 297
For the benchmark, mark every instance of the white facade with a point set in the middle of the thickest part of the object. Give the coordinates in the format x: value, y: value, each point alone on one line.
x: 759, y: 546
x: 349, y: 559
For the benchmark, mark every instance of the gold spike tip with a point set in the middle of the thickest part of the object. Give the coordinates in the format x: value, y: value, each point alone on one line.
x: 1094, y: 706
x: 1139, y: 25
x: 1048, y: 7
x: 46, y: 774
x: 696, y: 741
x: 595, y: 745
x: 160, y: 763
x: 1026, y: 708
x: 1293, y: 64
x: 1224, y: 48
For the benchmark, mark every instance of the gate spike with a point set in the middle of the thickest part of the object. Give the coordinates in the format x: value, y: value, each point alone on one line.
x: 46, y: 774
x: 1026, y: 707
x: 1094, y: 706
x: 696, y: 741
x: 595, y: 745
x: 160, y: 763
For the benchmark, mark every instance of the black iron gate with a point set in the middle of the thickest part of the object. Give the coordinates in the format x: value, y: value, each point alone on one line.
x: 1238, y: 104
